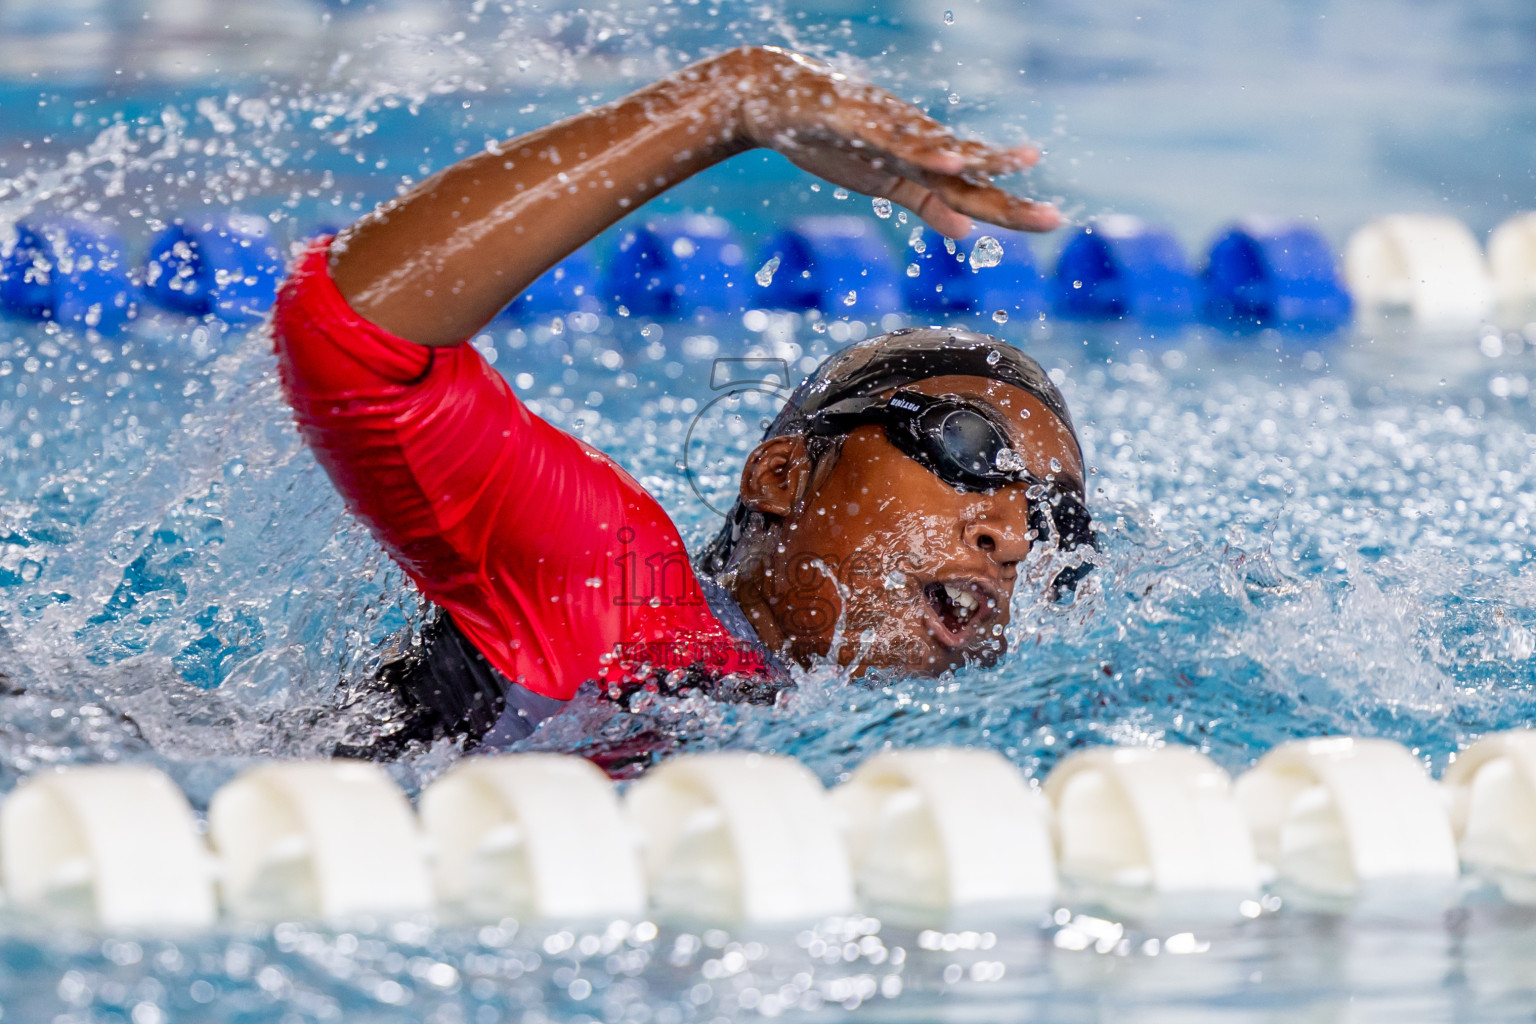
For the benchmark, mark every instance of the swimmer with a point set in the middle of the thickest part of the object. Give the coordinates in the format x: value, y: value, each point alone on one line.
x: 882, y: 522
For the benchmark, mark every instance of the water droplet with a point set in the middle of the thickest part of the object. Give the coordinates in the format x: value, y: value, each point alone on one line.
x: 839, y: 193
x: 954, y: 98
x: 949, y: 246
x: 850, y: 298
x: 1000, y: 317
x: 1010, y: 461
x: 1077, y: 284
x: 987, y: 252
x: 913, y: 270
x: 949, y: 17
x: 882, y: 207
x: 1055, y: 465
x: 765, y: 273
x: 994, y: 357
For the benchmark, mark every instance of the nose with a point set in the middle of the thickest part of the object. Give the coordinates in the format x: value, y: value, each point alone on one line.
x: 1004, y: 543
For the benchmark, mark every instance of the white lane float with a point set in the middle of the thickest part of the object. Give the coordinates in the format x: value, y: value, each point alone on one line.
x: 539, y: 834
x: 1161, y: 820
x: 1512, y: 260
x: 1336, y: 815
x: 946, y: 829
x: 318, y: 839
x: 1428, y: 264
x: 737, y: 836
x: 114, y: 843
x: 1492, y: 791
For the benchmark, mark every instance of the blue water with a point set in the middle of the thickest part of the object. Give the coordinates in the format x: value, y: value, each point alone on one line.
x: 1301, y: 535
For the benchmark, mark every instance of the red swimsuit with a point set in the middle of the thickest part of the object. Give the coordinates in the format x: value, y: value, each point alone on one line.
x: 554, y: 563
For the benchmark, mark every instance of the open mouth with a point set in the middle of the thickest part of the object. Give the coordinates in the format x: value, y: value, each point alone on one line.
x: 958, y: 608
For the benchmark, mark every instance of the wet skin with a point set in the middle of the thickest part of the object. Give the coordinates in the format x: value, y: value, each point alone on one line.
x: 913, y: 573
x: 438, y: 263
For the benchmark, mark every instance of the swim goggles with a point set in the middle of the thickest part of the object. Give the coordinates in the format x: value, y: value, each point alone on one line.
x: 965, y: 445
x: 961, y: 443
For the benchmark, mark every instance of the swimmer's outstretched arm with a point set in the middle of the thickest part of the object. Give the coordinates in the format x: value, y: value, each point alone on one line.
x: 435, y: 265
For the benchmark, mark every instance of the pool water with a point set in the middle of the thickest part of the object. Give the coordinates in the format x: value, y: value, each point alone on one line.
x: 1301, y: 535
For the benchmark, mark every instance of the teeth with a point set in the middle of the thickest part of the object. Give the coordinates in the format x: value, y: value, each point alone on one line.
x: 964, y: 601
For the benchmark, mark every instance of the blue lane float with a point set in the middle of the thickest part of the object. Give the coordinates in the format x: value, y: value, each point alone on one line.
x: 838, y: 265
x: 1260, y: 272
x: 226, y: 265
x: 1121, y: 266
x: 671, y: 268
x: 1267, y: 272
x: 570, y: 286
x: 976, y: 277
x: 72, y: 271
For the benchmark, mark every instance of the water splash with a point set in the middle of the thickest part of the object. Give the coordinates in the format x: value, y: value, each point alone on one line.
x: 764, y: 275
x: 987, y: 252
x: 171, y: 556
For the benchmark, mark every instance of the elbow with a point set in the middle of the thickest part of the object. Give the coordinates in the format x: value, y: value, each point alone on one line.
x: 748, y: 61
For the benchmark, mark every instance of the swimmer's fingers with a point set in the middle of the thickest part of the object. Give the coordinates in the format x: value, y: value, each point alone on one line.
x: 806, y: 105
x: 936, y: 213
x: 946, y: 202
x: 863, y: 138
x: 949, y: 155
x: 943, y: 179
x: 879, y: 119
x: 984, y: 202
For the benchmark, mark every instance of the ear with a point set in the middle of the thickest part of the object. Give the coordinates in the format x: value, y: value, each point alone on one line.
x: 776, y: 476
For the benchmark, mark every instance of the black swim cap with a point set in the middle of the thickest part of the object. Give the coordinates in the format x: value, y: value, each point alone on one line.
x: 891, y: 361
x: 917, y: 353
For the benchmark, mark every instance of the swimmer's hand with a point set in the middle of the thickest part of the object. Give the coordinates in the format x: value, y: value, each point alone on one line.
x: 863, y: 138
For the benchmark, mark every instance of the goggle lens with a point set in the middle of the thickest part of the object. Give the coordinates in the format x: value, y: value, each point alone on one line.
x: 971, y: 443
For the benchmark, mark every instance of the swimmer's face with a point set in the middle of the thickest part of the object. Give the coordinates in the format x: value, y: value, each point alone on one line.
x: 917, y: 574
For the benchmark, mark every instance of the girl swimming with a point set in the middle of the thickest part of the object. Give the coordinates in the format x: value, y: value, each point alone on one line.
x: 895, y: 496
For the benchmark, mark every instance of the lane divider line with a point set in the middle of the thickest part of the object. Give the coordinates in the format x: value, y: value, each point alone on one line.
x: 1258, y: 272
x: 743, y: 837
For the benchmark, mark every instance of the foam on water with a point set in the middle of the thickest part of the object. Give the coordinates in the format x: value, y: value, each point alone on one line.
x: 1288, y: 550
x: 1297, y: 538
